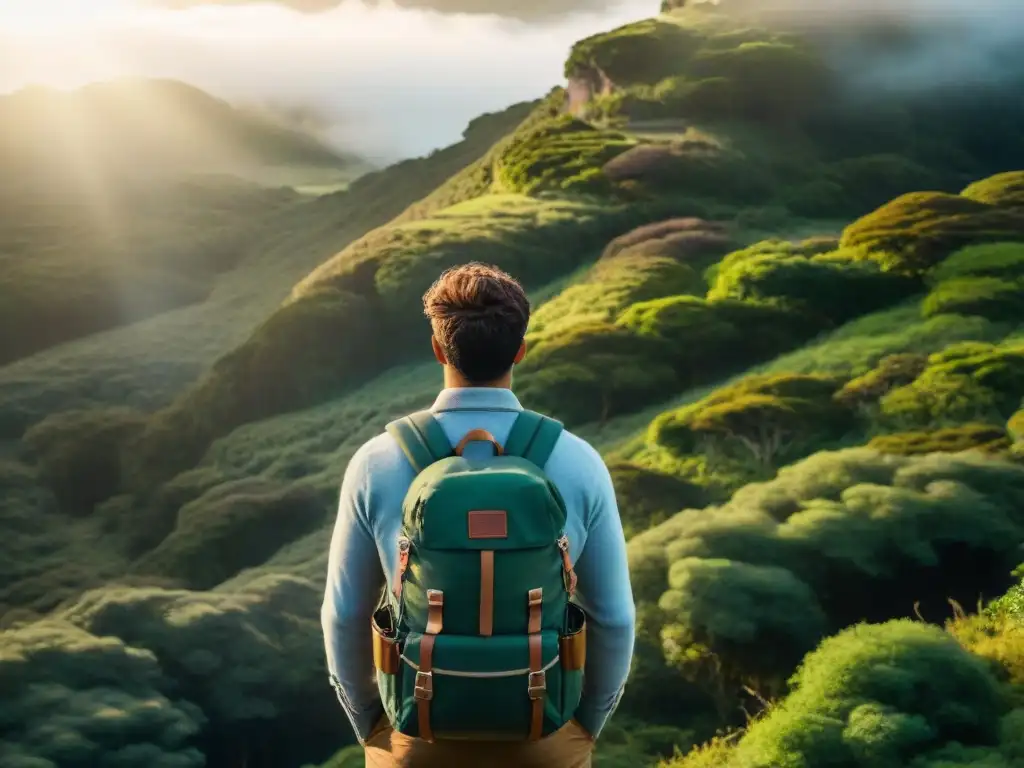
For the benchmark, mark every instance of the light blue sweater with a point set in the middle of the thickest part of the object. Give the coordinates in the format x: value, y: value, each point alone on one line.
x: 364, y: 552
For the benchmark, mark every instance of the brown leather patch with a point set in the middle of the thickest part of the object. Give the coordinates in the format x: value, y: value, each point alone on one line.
x: 488, y: 524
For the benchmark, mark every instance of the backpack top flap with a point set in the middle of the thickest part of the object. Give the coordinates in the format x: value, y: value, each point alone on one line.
x: 501, y: 502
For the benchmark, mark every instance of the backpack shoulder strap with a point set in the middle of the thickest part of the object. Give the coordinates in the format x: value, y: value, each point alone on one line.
x: 421, y: 438
x: 533, y: 437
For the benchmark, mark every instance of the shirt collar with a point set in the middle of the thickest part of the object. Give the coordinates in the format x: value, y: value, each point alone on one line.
x: 476, y: 399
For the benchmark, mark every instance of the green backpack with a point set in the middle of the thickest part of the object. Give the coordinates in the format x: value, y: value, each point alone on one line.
x: 478, y: 638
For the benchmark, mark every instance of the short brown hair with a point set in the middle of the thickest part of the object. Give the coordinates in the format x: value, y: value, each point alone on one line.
x: 479, y: 316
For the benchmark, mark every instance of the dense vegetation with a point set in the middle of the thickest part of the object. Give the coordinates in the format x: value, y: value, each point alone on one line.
x: 89, y: 242
x: 794, y: 328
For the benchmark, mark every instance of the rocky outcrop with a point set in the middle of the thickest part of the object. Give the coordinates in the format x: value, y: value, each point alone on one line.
x: 583, y: 86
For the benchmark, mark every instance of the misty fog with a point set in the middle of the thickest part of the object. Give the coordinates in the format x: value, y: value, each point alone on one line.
x: 388, y: 82
x: 913, y: 44
x: 392, y: 78
x: 520, y: 9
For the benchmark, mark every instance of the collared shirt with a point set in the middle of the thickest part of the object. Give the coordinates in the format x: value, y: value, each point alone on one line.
x: 364, y: 554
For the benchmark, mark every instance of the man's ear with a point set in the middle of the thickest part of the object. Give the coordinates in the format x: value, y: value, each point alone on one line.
x: 520, y: 354
x: 438, y: 352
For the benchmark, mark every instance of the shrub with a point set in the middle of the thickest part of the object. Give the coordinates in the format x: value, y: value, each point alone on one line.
x: 756, y: 68
x: 249, y: 654
x: 832, y: 290
x: 983, y: 437
x: 710, y: 339
x: 1003, y: 189
x: 1016, y: 425
x: 809, y: 248
x: 142, y: 522
x: 79, y: 453
x: 872, y: 535
x: 966, y: 382
x: 996, y: 634
x: 878, y: 695
x: 766, y: 416
x: 1002, y: 260
x: 75, y: 699
x: 916, y: 231
x: 733, y: 622
x: 642, y: 52
x: 647, y: 497
x: 892, y: 371
x: 594, y: 370
x: 989, y: 297
x: 693, y: 241
x: 682, y: 96
x: 231, y: 527
x: 697, y: 171
x: 870, y: 181
x: 562, y: 154
x: 611, y: 285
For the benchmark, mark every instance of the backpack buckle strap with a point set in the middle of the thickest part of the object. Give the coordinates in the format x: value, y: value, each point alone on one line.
x: 423, y: 690
x: 536, y: 687
x: 424, y: 686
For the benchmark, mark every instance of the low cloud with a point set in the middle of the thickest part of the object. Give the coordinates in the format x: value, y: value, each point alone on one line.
x: 911, y: 45
x: 384, y: 81
x: 526, y: 10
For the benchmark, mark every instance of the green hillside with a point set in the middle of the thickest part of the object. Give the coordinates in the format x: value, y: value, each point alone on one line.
x: 158, y: 124
x: 127, y: 199
x: 792, y: 322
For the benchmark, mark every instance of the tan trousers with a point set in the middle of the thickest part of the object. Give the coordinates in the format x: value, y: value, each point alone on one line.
x: 569, y: 747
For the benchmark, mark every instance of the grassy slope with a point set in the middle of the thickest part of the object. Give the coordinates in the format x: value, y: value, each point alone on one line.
x: 539, y: 203
x: 123, y: 200
x: 147, y: 363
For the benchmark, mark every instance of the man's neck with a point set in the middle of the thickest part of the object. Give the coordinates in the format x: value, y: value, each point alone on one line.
x: 454, y: 380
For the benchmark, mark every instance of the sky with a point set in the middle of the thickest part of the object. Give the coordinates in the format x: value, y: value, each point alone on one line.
x: 391, y: 80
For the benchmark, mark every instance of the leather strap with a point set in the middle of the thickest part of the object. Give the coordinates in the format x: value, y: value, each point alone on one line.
x: 537, y: 684
x: 536, y: 603
x: 423, y: 691
x: 435, y: 607
x: 478, y: 435
x: 486, y: 592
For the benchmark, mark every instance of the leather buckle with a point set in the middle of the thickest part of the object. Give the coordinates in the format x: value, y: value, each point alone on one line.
x: 424, y: 687
x: 537, y: 685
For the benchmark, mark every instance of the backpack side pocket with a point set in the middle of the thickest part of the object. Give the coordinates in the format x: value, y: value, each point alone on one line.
x: 386, y: 659
x: 572, y: 651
